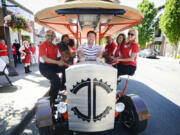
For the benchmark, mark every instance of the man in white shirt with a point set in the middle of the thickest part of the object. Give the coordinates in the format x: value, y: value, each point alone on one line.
x: 90, y: 51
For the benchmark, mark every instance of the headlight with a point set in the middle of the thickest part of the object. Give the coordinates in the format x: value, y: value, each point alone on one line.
x: 120, y: 107
x: 62, y: 107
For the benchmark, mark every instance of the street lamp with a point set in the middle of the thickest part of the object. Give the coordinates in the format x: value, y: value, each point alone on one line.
x: 12, y: 69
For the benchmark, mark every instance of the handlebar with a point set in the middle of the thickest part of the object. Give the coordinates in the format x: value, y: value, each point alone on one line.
x: 112, y: 64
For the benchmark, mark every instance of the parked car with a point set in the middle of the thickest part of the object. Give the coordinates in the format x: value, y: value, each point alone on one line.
x: 148, y: 53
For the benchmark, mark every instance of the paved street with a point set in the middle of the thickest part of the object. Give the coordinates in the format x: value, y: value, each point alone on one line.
x: 157, y: 81
x: 18, y: 100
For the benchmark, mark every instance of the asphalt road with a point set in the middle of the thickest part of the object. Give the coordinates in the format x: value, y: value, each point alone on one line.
x: 157, y: 81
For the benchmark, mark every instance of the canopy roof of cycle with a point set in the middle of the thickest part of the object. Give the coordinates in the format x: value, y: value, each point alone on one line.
x: 77, y: 17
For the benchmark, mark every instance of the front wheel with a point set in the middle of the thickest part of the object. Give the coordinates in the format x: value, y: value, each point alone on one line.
x: 129, y: 117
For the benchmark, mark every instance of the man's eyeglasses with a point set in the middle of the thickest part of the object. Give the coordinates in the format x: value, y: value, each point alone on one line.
x: 130, y: 34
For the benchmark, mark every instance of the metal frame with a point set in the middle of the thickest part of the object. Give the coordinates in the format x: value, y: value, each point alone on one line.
x: 77, y: 34
x: 91, y: 11
x: 109, y: 26
x: 3, y: 73
x: 68, y: 26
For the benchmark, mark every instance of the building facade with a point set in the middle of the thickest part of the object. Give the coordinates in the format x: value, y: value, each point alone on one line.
x: 26, y: 13
x: 161, y: 42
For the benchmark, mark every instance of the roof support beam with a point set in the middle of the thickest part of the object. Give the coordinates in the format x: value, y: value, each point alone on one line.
x: 108, y: 28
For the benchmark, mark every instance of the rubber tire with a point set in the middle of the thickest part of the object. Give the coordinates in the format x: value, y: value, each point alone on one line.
x: 46, y: 131
x: 136, y: 126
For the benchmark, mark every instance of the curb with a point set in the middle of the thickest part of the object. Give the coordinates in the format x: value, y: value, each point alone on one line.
x: 21, y: 126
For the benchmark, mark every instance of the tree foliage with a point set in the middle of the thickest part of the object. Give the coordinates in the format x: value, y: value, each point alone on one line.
x: 170, y: 21
x: 146, y: 29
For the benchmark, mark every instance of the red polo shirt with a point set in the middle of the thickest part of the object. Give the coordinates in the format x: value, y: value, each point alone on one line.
x: 3, y: 47
x: 110, y: 48
x: 126, y: 51
x: 48, y: 50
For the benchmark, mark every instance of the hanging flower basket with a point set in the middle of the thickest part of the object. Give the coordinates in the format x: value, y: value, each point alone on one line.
x: 17, y: 23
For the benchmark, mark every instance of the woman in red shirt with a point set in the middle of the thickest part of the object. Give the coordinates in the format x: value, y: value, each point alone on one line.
x: 127, y: 55
x: 121, y: 40
x: 14, y: 54
x: 25, y: 56
x: 3, y: 51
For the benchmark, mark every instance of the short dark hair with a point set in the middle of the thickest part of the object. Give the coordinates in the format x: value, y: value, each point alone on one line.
x: 63, y: 36
x: 108, y: 37
x: 124, y: 38
x: 51, y: 31
x: 89, y: 32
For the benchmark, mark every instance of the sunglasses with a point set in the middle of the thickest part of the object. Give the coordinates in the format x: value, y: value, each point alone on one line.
x: 130, y: 34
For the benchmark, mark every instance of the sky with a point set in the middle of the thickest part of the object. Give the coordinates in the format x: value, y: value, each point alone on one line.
x: 37, y: 5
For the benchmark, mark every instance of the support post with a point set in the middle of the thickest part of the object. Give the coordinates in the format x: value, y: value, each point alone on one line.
x: 80, y: 38
x: 77, y: 35
x: 12, y: 70
x: 100, y: 34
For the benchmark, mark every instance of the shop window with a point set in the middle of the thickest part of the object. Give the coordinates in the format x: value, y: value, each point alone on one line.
x: 27, y: 38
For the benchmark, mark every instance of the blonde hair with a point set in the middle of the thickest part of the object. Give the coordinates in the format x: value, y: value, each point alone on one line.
x: 135, y: 32
x: 24, y: 42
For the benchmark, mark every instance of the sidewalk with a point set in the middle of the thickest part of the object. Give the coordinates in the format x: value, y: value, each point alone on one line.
x: 17, y: 101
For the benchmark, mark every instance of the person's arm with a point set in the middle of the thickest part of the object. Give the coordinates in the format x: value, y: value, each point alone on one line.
x: 135, y: 50
x: 82, y: 58
x: 49, y: 60
x: 127, y: 59
x: 99, y: 56
x: 3, y: 50
x: 107, y: 55
x: 90, y: 59
x: 44, y: 58
x: 21, y: 50
x: 80, y: 55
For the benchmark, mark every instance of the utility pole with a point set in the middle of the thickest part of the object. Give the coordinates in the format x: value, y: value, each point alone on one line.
x: 12, y: 69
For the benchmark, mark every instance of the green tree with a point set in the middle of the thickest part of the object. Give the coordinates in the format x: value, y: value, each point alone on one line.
x: 170, y: 22
x: 146, y: 29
